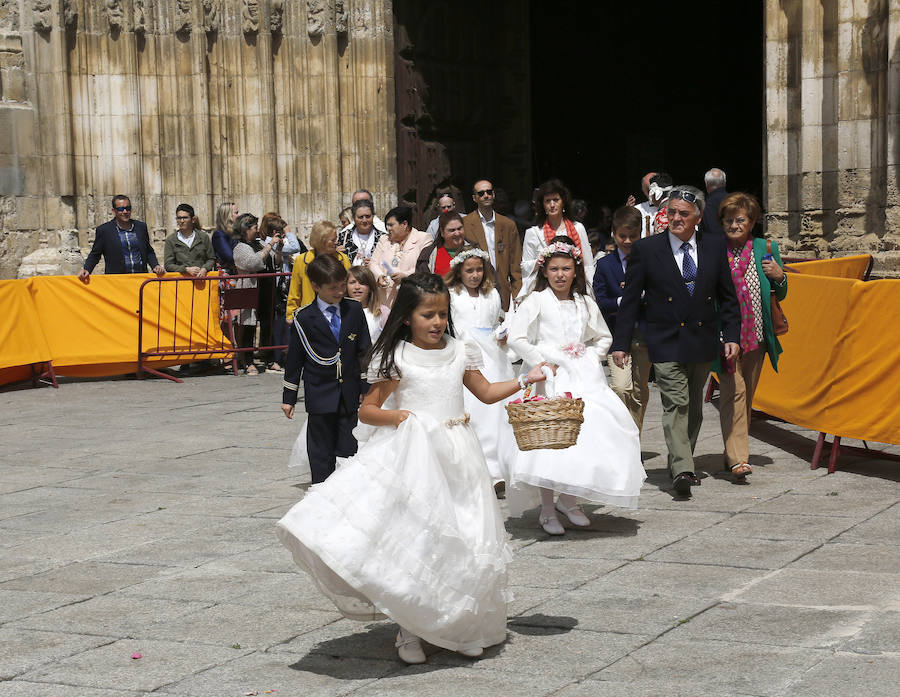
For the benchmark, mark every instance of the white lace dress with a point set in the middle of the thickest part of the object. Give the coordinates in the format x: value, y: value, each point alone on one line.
x: 409, y: 527
x: 477, y: 318
x: 604, y: 465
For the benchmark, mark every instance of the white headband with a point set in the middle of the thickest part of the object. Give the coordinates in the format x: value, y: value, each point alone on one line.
x: 468, y: 254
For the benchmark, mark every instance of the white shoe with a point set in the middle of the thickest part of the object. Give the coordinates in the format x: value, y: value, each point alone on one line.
x: 409, y: 647
x: 471, y: 653
x: 551, y: 524
x: 575, y: 515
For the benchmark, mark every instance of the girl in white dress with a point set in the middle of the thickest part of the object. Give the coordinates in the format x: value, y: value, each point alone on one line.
x: 559, y: 323
x: 361, y: 286
x: 475, y: 304
x: 552, y: 220
x: 409, y: 527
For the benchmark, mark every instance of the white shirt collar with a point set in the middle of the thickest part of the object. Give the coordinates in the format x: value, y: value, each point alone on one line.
x: 676, y: 243
x: 189, y: 241
x: 488, y: 221
x: 622, y: 255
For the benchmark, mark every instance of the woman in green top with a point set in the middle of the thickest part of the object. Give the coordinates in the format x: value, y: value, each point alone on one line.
x: 756, y: 275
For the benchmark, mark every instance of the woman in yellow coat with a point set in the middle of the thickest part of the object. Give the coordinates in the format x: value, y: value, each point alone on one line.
x: 323, y: 240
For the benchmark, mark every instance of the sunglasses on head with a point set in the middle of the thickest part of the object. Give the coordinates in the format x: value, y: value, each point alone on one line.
x: 684, y: 196
x: 484, y: 192
x: 122, y: 208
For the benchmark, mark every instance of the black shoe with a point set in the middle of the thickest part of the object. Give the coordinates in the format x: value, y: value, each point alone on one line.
x: 683, y: 483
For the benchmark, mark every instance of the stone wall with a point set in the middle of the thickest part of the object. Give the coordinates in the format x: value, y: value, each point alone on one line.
x: 833, y: 128
x: 274, y: 104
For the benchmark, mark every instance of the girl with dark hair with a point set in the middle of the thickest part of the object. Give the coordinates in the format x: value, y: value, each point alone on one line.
x: 558, y: 322
x: 475, y: 305
x: 553, y: 204
x: 409, y: 527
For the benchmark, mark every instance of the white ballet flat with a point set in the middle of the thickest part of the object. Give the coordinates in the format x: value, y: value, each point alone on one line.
x: 409, y: 647
x: 551, y: 525
x: 575, y: 515
x: 471, y: 653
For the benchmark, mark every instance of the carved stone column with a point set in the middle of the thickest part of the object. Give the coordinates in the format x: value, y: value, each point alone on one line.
x: 833, y: 131
x: 275, y: 105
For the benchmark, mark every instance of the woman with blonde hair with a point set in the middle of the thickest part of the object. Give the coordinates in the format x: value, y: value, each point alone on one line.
x: 223, y: 241
x: 322, y: 240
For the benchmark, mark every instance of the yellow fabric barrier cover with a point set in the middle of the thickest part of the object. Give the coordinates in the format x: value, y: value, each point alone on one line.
x: 92, y: 330
x: 839, y: 267
x: 22, y: 341
x: 838, y: 372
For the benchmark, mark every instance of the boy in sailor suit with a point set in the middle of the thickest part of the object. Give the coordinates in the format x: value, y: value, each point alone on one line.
x: 328, y: 339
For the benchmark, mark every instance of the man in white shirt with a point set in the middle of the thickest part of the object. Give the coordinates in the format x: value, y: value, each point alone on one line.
x: 446, y: 203
x: 499, y: 237
x: 688, y: 295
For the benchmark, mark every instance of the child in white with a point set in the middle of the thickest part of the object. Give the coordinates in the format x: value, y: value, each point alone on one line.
x: 409, y: 527
x: 560, y: 324
x: 475, y: 305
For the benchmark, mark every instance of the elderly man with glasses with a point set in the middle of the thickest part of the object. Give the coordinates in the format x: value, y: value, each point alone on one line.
x: 123, y: 243
x: 680, y: 286
x: 499, y: 237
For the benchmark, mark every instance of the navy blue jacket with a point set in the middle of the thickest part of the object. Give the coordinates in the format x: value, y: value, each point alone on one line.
x: 609, y: 281
x: 108, y: 245
x: 324, y: 392
x: 710, y: 221
x: 678, y: 326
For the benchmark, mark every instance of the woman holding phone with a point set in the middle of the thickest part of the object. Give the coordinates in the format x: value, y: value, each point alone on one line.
x: 757, y: 274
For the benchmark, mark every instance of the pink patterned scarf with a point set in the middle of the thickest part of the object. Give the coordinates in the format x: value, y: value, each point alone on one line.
x: 738, y: 261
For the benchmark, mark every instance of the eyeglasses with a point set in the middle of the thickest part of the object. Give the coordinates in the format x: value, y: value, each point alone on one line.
x: 484, y: 192
x: 685, y: 196
x: 447, y: 208
x: 734, y: 221
x: 120, y: 209
x: 182, y: 217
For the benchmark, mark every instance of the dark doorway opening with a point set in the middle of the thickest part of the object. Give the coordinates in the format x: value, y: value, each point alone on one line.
x: 594, y: 92
x: 618, y: 90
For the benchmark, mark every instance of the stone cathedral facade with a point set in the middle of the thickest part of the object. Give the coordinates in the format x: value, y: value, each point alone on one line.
x: 290, y: 105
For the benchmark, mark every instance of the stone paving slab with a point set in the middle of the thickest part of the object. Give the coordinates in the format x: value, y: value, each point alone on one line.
x: 162, y: 541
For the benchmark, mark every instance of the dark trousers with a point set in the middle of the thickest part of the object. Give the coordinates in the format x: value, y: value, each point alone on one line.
x: 328, y: 436
x: 280, y: 336
x: 246, y: 335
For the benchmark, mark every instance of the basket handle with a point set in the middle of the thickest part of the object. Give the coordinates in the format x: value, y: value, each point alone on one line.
x: 550, y: 384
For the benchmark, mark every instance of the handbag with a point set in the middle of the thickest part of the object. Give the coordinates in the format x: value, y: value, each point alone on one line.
x: 779, y: 320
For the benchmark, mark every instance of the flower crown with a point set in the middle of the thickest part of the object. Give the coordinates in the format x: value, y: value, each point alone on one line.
x: 468, y: 254
x: 559, y: 248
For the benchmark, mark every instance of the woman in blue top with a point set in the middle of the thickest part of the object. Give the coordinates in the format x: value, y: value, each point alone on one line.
x: 757, y: 274
x: 222, y: 240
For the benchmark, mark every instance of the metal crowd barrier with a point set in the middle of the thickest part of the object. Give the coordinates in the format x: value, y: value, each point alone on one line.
x: 155, y: 330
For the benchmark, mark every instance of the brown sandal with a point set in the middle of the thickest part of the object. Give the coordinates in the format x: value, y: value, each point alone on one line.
x: 741, y: 470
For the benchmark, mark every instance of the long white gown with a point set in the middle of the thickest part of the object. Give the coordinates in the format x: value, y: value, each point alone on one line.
x: 478, y: 318
x: 604, y: 465
x: 409, y: 527
x: 534, y: 242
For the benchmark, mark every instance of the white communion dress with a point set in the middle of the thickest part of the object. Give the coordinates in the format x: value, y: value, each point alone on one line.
x: 604, y: 465
x: 478, y: 319
x: 409, y: 527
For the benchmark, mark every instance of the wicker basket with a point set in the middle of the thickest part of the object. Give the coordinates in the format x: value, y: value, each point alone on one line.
x: 546, y: 423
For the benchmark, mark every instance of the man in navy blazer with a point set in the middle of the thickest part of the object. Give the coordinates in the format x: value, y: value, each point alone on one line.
x: 328, y: 340
x: 123, y: 243
x: 687, y: 295
x: 630, y: 383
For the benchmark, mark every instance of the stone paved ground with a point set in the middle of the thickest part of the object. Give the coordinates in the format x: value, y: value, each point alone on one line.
x: 138, y: 516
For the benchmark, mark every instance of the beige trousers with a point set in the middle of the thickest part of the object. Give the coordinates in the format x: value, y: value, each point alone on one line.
x: 632, y: 383
x: 735, y: 404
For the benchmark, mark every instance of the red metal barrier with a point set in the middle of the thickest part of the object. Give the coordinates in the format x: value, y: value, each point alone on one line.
x: 150, y: 320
